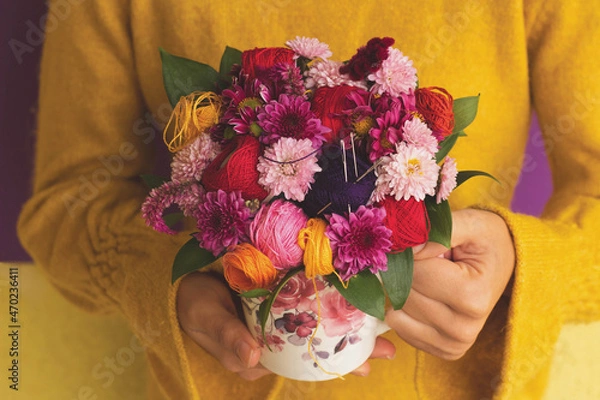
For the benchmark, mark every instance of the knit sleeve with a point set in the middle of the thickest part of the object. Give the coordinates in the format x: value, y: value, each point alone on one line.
x: 557, y: 276
x: 83, y: 224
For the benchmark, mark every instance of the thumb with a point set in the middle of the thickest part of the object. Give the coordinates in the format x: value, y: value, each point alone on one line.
x: 463, y: 227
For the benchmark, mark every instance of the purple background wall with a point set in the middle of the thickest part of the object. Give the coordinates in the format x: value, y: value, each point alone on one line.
x: 19, y: 83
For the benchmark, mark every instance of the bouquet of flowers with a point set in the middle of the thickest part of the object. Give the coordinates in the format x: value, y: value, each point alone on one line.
x: 288, y: 161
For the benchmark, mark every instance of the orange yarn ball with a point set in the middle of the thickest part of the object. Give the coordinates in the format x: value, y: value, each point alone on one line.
x: 245, y: 268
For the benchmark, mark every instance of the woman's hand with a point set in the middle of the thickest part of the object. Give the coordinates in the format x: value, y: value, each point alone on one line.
x: 208, y: 315
x: 454, y: 291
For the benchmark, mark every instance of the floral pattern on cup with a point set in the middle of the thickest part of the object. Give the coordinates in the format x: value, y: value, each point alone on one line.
x: 295, y: 318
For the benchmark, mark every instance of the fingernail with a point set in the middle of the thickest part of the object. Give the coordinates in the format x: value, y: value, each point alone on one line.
x: 391, y: 356
x: 245, y: 352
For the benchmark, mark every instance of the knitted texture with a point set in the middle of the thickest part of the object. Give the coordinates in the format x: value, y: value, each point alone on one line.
x: 101, y: 81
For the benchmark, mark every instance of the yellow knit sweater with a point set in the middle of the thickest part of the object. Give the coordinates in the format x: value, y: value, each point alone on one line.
x: 101, y: 85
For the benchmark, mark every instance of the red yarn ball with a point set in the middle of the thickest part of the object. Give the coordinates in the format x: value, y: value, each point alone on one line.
x: 235, y: 169
x: 408, y: 221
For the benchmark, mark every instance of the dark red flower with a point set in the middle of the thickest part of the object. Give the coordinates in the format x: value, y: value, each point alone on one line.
x: 367, y: 59
x: 435, y: 105
x: 301, y: 324
x: 257, y: 62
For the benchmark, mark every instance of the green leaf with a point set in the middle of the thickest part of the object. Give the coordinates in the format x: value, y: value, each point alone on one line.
x: 265, y: 307
x: 364, y: 292
x: 191, y: 257
x: 153, y: 181
x: 397, y: 280
x: 182, y: 76
x: 463, y: 176
x: 230, y: 57
x: 465, y: 110
x: 255, y: 293
x: 172, y: 219
x: 446, y: 145
x: 440, y: 218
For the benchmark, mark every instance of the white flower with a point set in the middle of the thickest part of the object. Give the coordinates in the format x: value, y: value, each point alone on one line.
x: 309, y: 48
x: 288, y: 167
x: 396, y: 75
x: 417, y: 132
x: 327, y: 73
x: 447, y: 179
x: 410, y: 172
x: 190, y: 162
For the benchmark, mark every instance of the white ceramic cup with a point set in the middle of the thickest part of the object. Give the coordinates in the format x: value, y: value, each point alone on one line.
x: 310, y: 337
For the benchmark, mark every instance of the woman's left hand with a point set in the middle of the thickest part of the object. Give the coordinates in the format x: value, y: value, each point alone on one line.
x: 454, y: 291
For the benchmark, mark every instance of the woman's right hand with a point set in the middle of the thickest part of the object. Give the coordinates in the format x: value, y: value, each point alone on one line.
x: 208, y: 315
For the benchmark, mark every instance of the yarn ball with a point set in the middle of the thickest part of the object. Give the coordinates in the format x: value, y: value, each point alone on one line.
x: 245, y: 268
x: 330, y: 186
x: 435, y: 105
x: 408, y: 221
x: 274, y: 231
x: 235, y: 169
x: 318, y: 256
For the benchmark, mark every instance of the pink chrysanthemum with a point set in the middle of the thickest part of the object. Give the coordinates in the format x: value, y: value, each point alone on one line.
x: 288, y: 78
x: 290, y: 117
x: 396, y: 75
x: 222, y: 219
x: 189, y: 163
x: 186, y: 196
x: 309, y: 48
x: 416, y: 132
x: 288, y: 167
x: 359, y: 241
x: 447, y: 179
x: 327, y: 73
x: 385, y: 134
x: 410, y: 172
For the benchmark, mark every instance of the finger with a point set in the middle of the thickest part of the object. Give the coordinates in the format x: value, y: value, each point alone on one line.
x: 208, y: 315
x: 443, y: 319
x: 253, y: 374
x: 424, y: 337
x: 363, y: 370
x: 457, y: 284
x: 383, y: 349
x: 430, y: 250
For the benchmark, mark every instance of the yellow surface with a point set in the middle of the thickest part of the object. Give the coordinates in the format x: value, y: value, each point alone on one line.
x: 63, y: 352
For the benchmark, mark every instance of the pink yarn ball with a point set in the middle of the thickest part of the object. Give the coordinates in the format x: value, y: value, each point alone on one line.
x: 274, y: 231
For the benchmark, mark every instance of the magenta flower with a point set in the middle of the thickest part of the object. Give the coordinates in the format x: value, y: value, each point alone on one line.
x: 385, y: 134
x: 223, y: 220
x: 361, y: 241
x: 291, y: 117
x: 186, y: 196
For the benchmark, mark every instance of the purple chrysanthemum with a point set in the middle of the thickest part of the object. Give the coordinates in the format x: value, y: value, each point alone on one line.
x: 291, y: 117
x: 359, y: 241
x: 223, y: 220
x: 186, y: 196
